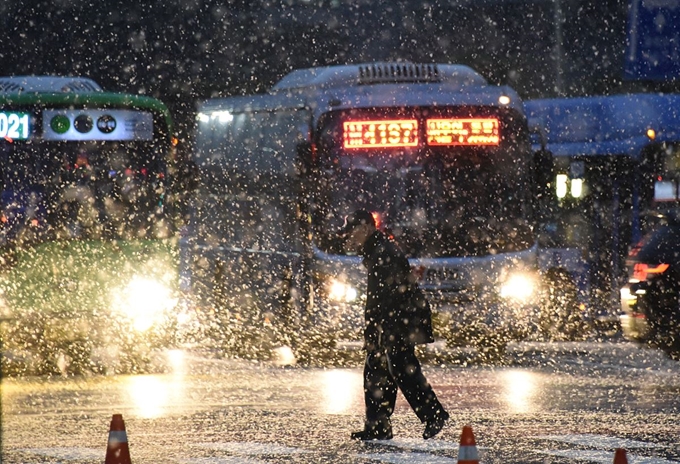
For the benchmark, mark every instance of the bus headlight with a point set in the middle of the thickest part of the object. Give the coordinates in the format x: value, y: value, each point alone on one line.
x: 145, y: 302
x: 519, y: 287
x: 341, y: 292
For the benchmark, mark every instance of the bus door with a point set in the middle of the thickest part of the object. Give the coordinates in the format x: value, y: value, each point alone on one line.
x: 245, y: 223
x: 593, y: 213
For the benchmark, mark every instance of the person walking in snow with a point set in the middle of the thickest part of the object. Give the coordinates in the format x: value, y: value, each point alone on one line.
x: 397, y: 318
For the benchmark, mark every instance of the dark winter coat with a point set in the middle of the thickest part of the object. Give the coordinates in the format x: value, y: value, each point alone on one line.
x: 397, y: 313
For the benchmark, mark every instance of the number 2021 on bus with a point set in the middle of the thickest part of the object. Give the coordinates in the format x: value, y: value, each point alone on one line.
x: 14, y: 125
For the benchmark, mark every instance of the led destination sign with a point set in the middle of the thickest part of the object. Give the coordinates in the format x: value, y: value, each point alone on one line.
x: 454, y: 131
x: 389, y: 133
x: 397, y: 133
x: 15, y: 125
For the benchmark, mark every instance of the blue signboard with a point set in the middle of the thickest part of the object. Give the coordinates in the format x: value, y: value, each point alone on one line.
x: 653, y: 40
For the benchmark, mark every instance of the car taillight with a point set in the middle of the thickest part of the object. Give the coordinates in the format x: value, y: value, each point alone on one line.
x: 641, y: 271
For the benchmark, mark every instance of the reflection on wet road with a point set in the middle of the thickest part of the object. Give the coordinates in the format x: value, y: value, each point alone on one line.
x: 547, y: 404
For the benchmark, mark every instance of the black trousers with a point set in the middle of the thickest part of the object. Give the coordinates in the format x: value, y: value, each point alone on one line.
x: 394, y: 368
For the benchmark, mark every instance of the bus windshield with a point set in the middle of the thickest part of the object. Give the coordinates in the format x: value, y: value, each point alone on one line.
x: 437, y: 201
x: 87, y: 189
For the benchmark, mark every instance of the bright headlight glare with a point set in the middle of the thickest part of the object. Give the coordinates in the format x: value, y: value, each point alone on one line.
x: 519, y: 287
x: 144, y: 301
x: 627, y: 296
x: 341, y: 292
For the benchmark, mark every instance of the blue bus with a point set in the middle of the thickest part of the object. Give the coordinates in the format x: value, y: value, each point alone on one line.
x: 616, y: 162
x: 441, y: 158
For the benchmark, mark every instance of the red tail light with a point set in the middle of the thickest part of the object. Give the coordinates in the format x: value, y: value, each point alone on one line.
x: 640, y: 271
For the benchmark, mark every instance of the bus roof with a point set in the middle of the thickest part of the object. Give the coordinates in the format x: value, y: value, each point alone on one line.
x: 452, y: 75
x: 89, y: 99
x: 605, y: 125
x: 373, y: 85
x: 398, y: 95
x: 42, y: 84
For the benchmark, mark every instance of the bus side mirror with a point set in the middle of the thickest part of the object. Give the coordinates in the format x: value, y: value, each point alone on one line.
x: 543, y: 175
x: 185, y: 170
x: 305, y: 157
x: 544, y: 172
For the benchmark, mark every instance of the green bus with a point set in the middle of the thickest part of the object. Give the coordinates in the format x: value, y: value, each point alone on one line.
x: 87, y: 226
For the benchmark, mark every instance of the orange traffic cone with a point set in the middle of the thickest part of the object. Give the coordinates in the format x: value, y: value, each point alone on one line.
x: 117, y: 451
x: 467, y: 451
x: 620, y: 456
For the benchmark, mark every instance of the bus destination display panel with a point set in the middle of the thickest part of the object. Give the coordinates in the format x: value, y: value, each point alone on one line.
x: 399, y: 133
x: 389, y: 133
x: 91, y: 124
x: 15, y: 125
x: 467, y: 132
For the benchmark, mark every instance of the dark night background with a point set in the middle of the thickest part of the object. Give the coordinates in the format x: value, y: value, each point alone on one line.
x: 184, y: 50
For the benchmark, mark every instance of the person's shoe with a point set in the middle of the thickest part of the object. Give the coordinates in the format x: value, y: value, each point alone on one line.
x: 380, y: 431
x: 435, y: 425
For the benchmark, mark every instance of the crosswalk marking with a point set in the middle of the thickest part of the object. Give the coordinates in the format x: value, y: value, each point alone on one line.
x: 600, y: 441
x: 604, y: 457
x: 408, y: 458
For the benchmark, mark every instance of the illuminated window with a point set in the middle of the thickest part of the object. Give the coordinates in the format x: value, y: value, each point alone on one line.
x: 576, y: 188
x: 561, y: 185
x: 665, y: 191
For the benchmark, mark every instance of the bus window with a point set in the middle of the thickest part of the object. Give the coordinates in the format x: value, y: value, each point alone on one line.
x: 249, y: 161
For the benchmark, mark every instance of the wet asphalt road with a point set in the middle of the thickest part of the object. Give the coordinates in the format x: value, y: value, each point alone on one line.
x: 543, y: 403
